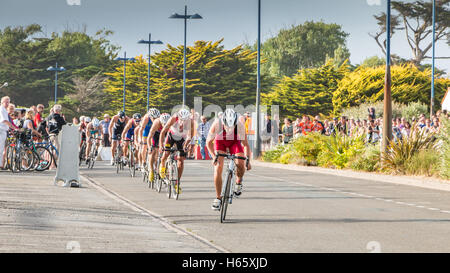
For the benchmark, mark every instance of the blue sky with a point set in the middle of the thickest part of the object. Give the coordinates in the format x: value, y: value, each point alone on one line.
x: 233, y: 20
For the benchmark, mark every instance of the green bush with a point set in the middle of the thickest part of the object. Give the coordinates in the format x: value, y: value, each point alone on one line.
x: 307, y: 148
x: 414, y: 109
x: 368, y: 161
x: 275, y: 154
x: 339, y: 150
x: 400, y: 153
x: 425, y: 162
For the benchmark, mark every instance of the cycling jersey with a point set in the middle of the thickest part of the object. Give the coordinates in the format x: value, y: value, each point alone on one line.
x: 228, y: 140
x: 180, y: 128
x: 118, y: 129
x: 147, y: 128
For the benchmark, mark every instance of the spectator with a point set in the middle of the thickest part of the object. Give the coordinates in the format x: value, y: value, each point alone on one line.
x: 318, y: 126
x: 38, y: 117
x: 266, y: 133
x: 5, y: 124
x: 202, y: 133
x: 105, y: 125
x: 342, y: 126
x: 29, y: 123
x: 55, y: 123
x: 373, y: 132
x: 372, y: 114
x: 287, y: 131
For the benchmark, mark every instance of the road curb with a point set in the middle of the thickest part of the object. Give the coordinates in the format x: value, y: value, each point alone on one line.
x: 422, y: 182
x: 163, y: 221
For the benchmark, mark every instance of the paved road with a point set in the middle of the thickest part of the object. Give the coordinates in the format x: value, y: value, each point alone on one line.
x: 294, y: 211
x: 36, y: 216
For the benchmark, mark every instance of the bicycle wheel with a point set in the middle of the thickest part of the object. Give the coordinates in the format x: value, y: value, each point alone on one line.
x: 9, y: 151
x: 158, y: 180
x: 174, y: 180
x: 13, y: 160
x: 26, y: 159
x: 167, y: 180
x: 225, y: 198
x: 131, y: 165
x: 44, y: 158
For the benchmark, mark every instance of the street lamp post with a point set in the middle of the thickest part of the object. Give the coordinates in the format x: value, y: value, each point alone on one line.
x: 185, y: 17
x: 258, y: 89
x: 125, y: 59
x: 433, y: 59
x: 56, y: 69
x: 387, y: 116
x: 4, y: 85
x: 149, y: 42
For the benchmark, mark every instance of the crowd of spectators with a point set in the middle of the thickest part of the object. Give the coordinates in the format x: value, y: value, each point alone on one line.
x: 371, y: 127
x: 29, y: 119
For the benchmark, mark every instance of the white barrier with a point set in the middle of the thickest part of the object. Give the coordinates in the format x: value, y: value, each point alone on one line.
x: 104, y: 153
x: 68, y: 161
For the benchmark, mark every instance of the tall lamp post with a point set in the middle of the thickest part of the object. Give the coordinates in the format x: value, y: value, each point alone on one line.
x: 433, y: 59
x: 387, y: 116
x: 257, y: 149
x: 124, y: 59
x: 185, y: 17
x: 149, y: 43
x: 56, y: 69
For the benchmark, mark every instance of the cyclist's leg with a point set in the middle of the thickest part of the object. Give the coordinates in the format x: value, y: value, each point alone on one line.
x: 218, y: 169
x: 237, y: 149
x: 181, y: 158
x: 88, y: 148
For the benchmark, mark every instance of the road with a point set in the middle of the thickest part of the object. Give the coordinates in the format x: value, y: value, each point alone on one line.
x: 279, y: 211
x: 294, y: 211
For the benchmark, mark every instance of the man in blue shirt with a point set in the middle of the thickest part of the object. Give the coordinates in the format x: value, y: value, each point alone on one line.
x: 202, y: 134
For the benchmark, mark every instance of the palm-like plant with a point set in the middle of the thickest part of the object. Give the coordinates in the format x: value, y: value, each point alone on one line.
x: 401, y: 151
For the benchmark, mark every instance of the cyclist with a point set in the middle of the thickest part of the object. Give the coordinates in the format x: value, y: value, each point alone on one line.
x: 228, y: 132
x: 147, y: 124
x: 116, y: 127
x: 153, y: 140
x: 93, y: 130
x: 84, y: 121
x: 128, y: 133
x: 179, y: 130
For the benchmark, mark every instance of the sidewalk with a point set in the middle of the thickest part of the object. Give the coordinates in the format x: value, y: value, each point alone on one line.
x: 423, y: 182
x: 36, y: 216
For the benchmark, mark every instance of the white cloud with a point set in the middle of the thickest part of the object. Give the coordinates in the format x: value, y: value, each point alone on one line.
x: 78, y: 2
x: 374, y: 2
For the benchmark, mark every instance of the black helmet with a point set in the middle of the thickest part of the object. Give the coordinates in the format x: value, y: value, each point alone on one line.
x: 121, y: 114
x: 137, y: 116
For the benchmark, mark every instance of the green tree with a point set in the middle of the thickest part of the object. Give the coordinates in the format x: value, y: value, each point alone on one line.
x: 366, y: 85
x: 303, y: 46
x: 220, y: 76
x: 310, y: 91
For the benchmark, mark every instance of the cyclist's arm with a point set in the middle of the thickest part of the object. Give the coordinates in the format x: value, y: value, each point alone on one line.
x: 144, y: 124
x: 111, y: 125
x: 211, y: 137
x: 88, y: 131
x: 164, y: 131
x: 152, y: 132
x: 127, y: 127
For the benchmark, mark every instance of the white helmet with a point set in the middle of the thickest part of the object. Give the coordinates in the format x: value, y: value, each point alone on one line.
x: 229, y: 118
x: 164, y: 118
x: 87, y: 119
x: 82, y: 118
x: 184, y: 114
x: 154, y: 113
x: 95, y: 122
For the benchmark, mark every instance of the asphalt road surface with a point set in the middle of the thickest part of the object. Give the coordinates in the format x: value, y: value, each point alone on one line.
x: 295, y: 211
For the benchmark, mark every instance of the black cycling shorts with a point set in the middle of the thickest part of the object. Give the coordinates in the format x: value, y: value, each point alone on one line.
x: 170, y: 141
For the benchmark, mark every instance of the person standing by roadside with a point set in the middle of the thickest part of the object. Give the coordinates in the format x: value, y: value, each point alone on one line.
x: 287, y: 130
x: 266, y: 134
x: 105, y: 125
x: 202, y: 134
x: 5, y: 125
x: 38, y: 116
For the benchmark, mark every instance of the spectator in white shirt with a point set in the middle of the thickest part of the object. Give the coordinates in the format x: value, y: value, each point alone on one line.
x: 5, y: 124
x: 202, y: 134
